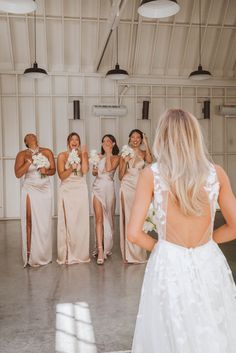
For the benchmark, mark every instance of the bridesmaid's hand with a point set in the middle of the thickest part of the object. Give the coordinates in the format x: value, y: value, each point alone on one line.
x: 145, y: 141
x: 74, y: 166
x: 95, y: 170
x: 43, y: 171
x: 127, y: 159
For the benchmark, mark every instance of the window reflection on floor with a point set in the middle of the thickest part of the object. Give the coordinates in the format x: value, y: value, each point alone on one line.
x: 74, y: 330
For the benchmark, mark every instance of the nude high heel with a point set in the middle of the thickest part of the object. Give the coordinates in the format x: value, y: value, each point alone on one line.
x: 100, y: 261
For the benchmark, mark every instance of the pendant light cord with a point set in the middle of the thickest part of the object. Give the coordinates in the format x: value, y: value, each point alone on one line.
x: 35, y: 36
x: 116, y: 44
x: 200, y: 38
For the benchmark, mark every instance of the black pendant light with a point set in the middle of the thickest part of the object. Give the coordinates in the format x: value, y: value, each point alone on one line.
x: 158, y: 8
x: 35, y: 71
x: 200, y: 74
x: 117, y: 73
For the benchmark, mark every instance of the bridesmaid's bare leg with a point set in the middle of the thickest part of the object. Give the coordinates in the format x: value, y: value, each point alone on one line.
x: 28, y: 226
x: 124, y: 222
x: 99, y: 228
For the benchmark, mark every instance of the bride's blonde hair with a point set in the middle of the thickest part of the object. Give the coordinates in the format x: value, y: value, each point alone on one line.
x: 182, y: 158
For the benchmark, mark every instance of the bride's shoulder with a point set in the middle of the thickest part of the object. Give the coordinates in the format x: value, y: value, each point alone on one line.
x: 221, y: 174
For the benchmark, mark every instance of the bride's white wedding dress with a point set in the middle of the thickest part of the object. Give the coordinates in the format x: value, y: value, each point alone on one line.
x: 188, y: 298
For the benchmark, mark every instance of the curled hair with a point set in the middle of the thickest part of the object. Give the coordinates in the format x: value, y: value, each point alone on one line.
x: 137, y: 131
x: 115, y: 149
x: 182, y: 159
x: 70, y: 137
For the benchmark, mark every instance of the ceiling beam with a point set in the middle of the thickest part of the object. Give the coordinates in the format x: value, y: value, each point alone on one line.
x: 112, y: 22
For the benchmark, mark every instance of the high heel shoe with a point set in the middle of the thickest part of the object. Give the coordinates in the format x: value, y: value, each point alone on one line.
x: 100, y: 260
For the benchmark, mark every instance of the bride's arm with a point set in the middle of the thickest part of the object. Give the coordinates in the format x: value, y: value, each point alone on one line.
x: 227, y: 202
x: 143, y: 197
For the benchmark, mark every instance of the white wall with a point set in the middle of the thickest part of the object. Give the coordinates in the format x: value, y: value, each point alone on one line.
x: 45, y: 107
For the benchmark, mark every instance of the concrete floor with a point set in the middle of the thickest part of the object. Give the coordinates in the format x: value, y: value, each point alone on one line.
x: 69, y: 309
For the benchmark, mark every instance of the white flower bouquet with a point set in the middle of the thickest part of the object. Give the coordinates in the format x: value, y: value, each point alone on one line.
x: 150, y: 221
x: 94, y: 158
x: 73, y: 159
x: 127, y: 151
x: 40, y: 161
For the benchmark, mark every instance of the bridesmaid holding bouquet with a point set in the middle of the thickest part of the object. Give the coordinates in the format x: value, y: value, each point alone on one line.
x: 132, y: 161
x: 36, y: 164
x: 73, y: 206
x: 103, y: 197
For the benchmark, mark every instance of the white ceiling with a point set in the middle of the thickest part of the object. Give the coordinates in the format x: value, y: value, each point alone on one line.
x: 71, y: 36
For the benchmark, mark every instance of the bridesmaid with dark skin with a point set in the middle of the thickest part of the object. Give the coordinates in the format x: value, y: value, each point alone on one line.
x: 36, y: 186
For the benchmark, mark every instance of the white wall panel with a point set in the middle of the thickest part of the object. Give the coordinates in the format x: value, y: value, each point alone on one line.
x: 231, y: 136
x: 231, y: 167
x: 46, y: 107
x: 10, y: 126
x: 44, y: 121
x: 25, y: 86
x: 128, y: 122
x: 8, y: 84
x: 61, y: 129
x: 218, y: 127
x: 89, y: 45
x: 20, y: 42
x: 11, y: 190
x: 27, y: 118
x: 72, y: 46
x: 54, y: 45
x: 5, y: 55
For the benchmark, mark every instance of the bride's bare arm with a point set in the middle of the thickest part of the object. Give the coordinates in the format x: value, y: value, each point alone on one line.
x: 227, y: 202
x: 143, y: 197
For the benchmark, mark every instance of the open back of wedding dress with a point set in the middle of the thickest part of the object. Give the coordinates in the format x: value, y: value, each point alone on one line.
x: 188, y: 298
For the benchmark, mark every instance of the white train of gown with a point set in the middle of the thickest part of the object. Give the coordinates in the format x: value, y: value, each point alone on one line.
x: 188, y: 298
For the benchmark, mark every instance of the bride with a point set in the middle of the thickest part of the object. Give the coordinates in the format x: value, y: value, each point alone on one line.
x: 188, y: 298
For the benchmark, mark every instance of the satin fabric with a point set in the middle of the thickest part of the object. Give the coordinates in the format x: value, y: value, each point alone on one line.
x: 73, y: 220
x: 130, y: 252
x: 39, y: 191
x: 104, y: 190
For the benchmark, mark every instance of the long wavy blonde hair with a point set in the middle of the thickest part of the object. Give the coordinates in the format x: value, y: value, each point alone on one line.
x: 182, y: 159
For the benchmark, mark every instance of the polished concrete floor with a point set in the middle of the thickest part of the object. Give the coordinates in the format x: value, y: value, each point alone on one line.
x: 69, y: 309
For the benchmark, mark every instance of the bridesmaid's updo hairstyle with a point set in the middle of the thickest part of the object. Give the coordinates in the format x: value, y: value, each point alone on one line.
x: 25, y: 141
x: 115, y: 149
x: 70, y: 137
x: 138, y: 132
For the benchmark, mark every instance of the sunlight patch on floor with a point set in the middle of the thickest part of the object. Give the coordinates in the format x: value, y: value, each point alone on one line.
x: 74, y: 330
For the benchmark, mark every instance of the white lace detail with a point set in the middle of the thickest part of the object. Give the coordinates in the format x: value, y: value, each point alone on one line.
x: 159, y: 190
x: 212, y: 187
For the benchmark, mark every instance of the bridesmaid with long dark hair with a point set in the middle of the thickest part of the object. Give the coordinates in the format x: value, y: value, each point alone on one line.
x: 73, y: 206
x: 129, y: 170
x: 103, y: 197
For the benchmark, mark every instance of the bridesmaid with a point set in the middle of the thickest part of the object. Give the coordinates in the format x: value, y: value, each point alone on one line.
x: 103, y: 197
x: 73, y: 206
x: 36, y: 202
x: 129, y: 170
